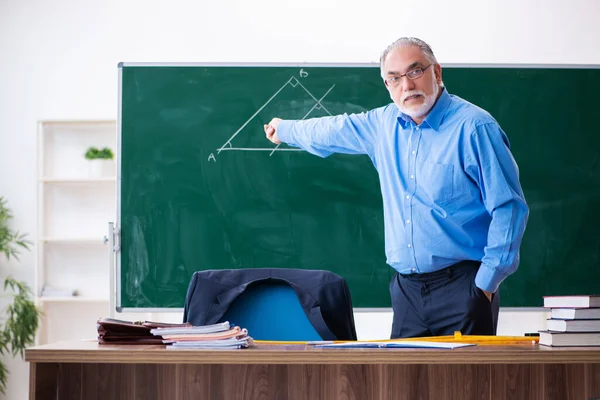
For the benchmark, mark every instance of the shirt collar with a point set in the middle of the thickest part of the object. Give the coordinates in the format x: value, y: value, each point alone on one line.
x: 436, y: 114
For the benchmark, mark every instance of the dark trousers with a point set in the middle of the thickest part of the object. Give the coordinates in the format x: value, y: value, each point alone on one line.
x: 442, y: 302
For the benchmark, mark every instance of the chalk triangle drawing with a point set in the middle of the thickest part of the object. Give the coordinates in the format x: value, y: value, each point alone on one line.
x: 292, y: 84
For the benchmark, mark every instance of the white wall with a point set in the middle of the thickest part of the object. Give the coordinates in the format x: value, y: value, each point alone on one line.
x: 58, y: 60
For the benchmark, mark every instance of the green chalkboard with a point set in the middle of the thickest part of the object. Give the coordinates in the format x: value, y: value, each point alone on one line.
x: 201, y: 188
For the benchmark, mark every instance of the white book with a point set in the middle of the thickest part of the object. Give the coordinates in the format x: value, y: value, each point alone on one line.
x: 548, y: 338
x: 214, y: 344
x: 584, y: 301
x: 222, y: 342
x: 573, y: 325
x: 575, y: 313
x: 190, y: 330
x: 205, y: 347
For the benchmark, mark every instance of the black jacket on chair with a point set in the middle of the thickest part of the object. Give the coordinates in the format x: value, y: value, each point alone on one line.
x: 323, y: 295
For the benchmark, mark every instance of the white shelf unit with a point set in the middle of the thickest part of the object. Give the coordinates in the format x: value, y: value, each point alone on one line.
x: 76, y: 201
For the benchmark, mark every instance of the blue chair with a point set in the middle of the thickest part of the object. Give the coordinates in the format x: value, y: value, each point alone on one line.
x: 284, y: 304
x: 270, y: 310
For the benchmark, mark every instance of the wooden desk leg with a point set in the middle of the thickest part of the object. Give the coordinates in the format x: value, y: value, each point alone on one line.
x: 43, y: 381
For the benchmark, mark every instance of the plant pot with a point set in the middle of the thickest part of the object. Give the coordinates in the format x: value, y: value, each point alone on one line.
x: 101, y: 168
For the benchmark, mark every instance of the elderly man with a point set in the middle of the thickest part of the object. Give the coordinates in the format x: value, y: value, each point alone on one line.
x: 454, y: 209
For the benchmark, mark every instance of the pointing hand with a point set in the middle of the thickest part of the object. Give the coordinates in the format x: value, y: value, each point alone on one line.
x: 271, y: 130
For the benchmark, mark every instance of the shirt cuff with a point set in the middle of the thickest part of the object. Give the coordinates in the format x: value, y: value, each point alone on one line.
x: 488, y: 279
x: 284, y: 132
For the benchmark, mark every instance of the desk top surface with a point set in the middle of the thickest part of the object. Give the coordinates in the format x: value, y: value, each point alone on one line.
x: 92, y: 352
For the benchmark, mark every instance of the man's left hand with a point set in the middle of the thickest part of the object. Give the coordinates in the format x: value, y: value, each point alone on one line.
x: 488, y: 295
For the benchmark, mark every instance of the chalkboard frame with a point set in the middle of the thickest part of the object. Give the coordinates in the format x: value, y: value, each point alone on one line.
x: 115, y: 276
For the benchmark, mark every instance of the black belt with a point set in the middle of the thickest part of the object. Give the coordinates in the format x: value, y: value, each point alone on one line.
x: 461, y: 266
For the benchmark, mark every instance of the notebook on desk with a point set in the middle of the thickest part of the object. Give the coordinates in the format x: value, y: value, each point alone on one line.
x: 397, y: 344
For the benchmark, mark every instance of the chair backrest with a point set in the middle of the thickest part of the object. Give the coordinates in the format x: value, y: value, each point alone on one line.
x: 270, y: 310
x: 288, y: 303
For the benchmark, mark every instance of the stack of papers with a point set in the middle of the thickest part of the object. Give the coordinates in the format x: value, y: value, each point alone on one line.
x: 216, y: 336
x: 397, y: 344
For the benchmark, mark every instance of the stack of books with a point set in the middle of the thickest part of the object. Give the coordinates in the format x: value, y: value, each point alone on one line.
x: 575, y: 321
x: 216, y: 336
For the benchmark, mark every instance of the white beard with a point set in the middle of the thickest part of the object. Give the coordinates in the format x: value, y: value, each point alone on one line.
x: 422, y: 109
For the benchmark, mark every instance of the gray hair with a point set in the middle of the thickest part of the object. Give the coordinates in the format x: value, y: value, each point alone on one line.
x: 405, y: 42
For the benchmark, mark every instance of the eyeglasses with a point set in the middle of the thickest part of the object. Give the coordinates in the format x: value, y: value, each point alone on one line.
x: 413, y: 74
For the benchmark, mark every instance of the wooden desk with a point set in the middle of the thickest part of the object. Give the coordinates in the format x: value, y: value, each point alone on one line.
x: 84, y: 370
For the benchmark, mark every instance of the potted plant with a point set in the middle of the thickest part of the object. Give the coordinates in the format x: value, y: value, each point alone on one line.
x: 100, y: 161
x: 20, y: 322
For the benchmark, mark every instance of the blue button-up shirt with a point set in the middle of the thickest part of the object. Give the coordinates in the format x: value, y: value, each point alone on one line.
x: 450, y: 185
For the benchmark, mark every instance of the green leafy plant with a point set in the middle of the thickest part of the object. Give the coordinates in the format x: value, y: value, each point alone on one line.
x: 17, y: 330
x: 94, y: 153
